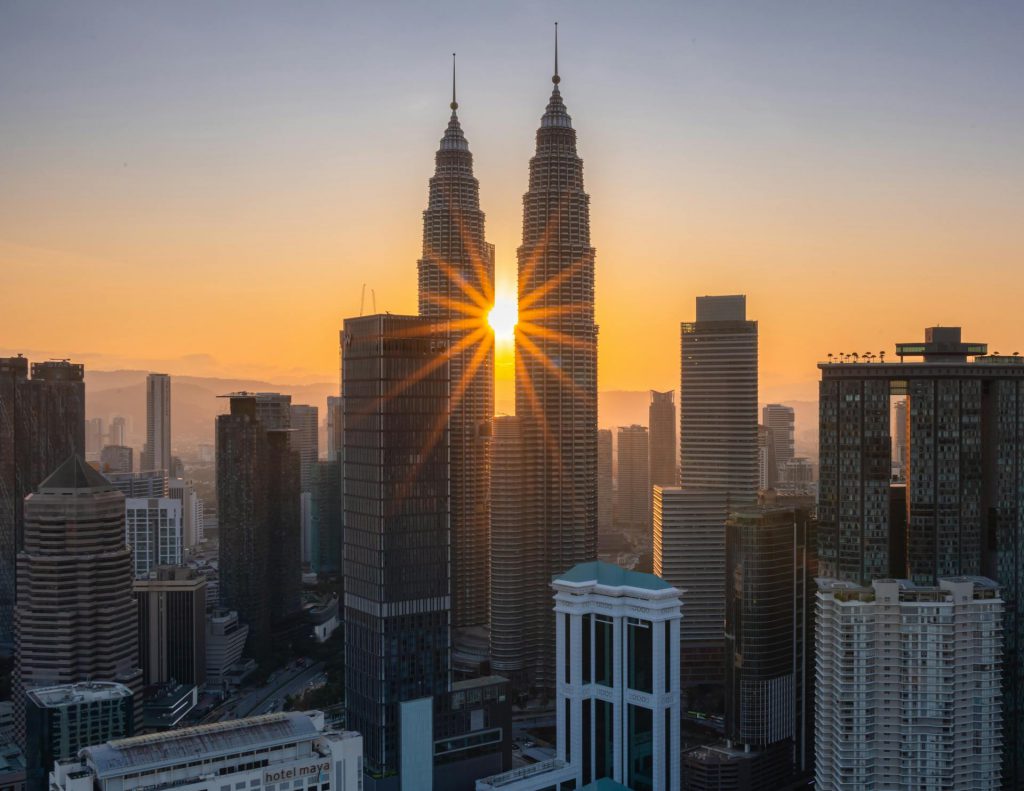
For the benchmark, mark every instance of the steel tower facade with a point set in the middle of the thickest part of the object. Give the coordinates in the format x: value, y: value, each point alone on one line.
x: 556, y: 374
x: 456, y: 288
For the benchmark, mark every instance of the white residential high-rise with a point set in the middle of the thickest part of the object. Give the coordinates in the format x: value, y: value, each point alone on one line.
x: 157, y: 453
x: 191, y: 510
x: 907, y: 688
x: 617, y: 707
x: 154, y: 532
x: 689, y: 553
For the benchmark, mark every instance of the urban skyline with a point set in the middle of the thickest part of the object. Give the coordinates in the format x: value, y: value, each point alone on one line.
x: 459, y: 598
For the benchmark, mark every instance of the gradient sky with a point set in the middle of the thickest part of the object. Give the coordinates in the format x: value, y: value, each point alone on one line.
x: 204, y: 187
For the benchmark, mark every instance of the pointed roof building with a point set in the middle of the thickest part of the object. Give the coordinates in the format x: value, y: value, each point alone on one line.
x: 556, y: 375
x: 456, y: 288
x: 75, y: 619
x: 74, y: 473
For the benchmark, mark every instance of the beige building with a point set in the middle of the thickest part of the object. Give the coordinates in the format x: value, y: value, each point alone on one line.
x: 75, y: 619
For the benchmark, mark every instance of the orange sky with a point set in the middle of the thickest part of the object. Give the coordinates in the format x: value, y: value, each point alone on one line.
x: 218, y: 213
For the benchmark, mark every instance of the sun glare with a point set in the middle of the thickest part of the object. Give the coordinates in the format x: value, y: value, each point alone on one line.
x: 503, y: 317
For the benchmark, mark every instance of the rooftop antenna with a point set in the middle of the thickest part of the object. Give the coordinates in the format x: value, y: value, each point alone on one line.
x: 454, y: 104
x: 556, y: 79
x: 373, y: 296
x: 362, y: 300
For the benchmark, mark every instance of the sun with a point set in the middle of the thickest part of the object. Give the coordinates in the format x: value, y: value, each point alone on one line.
x: 503, y: 317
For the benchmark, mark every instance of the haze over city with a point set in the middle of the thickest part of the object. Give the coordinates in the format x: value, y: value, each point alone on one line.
x: 541, y: 396
x: 204, y: 189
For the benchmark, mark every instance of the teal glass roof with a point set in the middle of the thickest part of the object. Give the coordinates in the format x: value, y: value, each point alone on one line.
x: 612, y: 576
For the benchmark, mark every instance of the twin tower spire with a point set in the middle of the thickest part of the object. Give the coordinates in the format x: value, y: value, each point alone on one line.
x: 555, y: 519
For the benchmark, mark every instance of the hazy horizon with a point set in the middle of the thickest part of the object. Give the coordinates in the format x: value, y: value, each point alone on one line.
x: 205, y: 189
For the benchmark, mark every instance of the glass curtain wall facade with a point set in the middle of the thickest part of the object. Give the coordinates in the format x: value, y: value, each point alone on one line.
x: 395, y: 494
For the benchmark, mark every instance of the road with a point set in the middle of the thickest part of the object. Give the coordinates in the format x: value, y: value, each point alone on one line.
x: 271, y: 696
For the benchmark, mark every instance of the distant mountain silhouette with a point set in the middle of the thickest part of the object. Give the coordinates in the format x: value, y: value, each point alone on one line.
x: 195, y: 406
x: 194, y: 402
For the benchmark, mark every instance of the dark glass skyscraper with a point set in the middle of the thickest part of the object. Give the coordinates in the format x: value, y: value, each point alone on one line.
x: 771, y: 563
x: 42, y: 423
x: 556, y: 372
x: 962, y: 510
x: 258, y: 499
x: 456, y: 290
x: 395, y: 478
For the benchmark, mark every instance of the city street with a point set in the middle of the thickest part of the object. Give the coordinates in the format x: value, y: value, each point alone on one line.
x: 271, y: 696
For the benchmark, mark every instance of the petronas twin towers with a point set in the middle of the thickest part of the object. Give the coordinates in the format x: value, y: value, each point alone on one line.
x: 556, y: 378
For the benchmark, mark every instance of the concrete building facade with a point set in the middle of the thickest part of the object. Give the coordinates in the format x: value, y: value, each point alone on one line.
x: 908, y: 685
x: 42, y: 422
x: 75, y: 619
x: 287, y: 750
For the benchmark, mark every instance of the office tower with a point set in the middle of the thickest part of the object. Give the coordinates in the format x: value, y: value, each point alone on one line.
x: 62, y: 719
x: 225, y: 643
x: 153, y: 531
x: 662, y: 422
x: 718, y: 470
x: 556, y: 369
x: 118, y: 432
x: 908, y: 684
x: 42, y: 422
x: 899, y: 456
x: 718, y: 400
x: 258, y: 501
x: 305, y: 439
x: 172, y: 625
x: 689, y: 553
x: 395, y: 398
x: 333, y: 427
x: 618, y: 705
x: 508, y: 591
x: 767, y: 473
x: 191, y: 510
x: 780, y: 419
x: 157, y: 453
x: 769, y: 611
x: 633, y: 496
x: 75, y: 619
x: 151, y: 483
x: 116, y: 458
x: 456, y: 290
x: 93, y: 437
x: 290, y: 748
x: 605, y: 483
x: 964, y: 508
x: 326, y: 517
